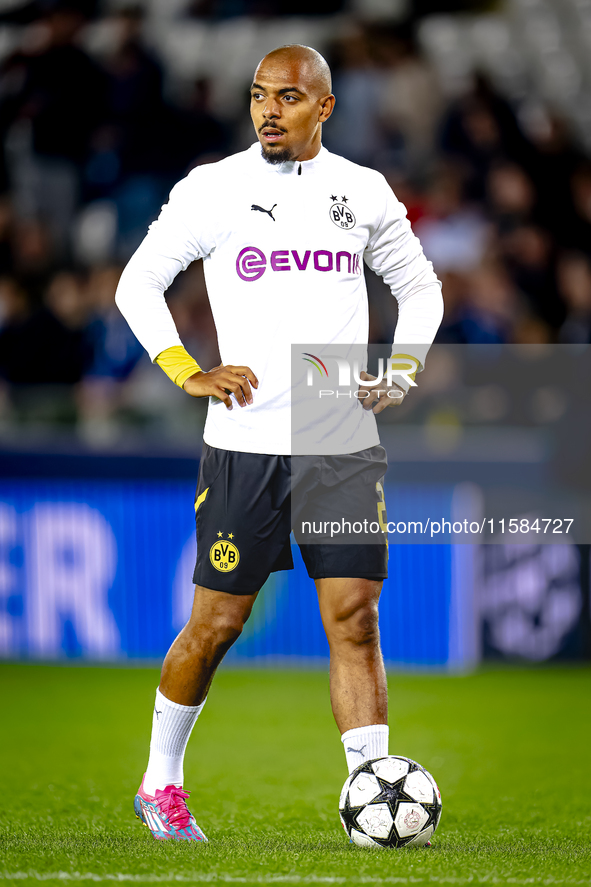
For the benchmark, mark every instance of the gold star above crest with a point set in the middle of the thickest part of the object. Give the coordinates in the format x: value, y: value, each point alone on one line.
x: 220, y: 535
x: 230, y: 535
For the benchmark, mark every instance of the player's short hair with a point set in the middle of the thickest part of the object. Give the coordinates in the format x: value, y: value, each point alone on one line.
x: 316, y: 62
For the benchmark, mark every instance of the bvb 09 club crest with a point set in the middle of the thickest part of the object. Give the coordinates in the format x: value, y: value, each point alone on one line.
x: 341, y: 215
x: 224, y: 556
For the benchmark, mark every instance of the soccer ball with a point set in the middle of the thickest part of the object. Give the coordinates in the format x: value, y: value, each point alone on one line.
x: 390, y: 802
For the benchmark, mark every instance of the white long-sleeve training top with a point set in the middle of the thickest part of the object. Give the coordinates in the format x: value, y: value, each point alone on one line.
x: 283, y: 249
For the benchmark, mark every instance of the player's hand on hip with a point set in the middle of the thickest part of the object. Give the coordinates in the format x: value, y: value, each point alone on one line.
x: 222, y: 382
x: 378, y: 397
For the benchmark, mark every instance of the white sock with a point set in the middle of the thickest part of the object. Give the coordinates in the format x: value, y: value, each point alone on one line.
x: 171, y: 727
x: 364, y: 744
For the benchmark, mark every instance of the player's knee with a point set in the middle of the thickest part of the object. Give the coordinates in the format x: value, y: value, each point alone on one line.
x: 356, y: 624
x: 363, y: 628
x: 228, y: 629
x: 220, y: 630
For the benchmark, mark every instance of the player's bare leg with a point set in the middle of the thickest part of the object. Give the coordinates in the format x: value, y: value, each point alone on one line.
x: 216, y: 621
x: 358, y: 689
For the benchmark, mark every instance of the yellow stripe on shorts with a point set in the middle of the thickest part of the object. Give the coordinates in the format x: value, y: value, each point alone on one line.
x: 201, y: 499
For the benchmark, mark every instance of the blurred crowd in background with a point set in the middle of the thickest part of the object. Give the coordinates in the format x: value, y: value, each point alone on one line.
x: 96, y: 126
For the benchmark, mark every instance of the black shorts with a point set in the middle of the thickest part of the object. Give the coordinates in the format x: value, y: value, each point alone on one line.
x: 247, y: 504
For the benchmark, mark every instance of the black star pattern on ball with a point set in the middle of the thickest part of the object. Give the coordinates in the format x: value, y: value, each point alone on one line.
x: 333, y: 197
x: 344, y: 199
x: 391, y: 795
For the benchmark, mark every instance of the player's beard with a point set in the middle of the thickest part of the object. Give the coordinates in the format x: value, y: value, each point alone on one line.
x: 276, y: 155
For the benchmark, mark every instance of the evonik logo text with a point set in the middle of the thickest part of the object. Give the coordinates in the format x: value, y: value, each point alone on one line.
x: 251, y: 262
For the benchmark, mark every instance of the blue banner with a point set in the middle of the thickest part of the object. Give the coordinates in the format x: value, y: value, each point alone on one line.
x: 101, y: 570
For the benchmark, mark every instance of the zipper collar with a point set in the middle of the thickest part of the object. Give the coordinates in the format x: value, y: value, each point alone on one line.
x: 290, y: 167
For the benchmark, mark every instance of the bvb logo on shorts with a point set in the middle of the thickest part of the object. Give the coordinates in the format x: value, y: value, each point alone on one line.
x: 224, y: 556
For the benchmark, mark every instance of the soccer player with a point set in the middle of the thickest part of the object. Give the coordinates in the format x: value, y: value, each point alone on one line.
x: 283, y: 229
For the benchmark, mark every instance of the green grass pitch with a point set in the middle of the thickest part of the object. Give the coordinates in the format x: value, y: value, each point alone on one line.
x: 510, y: 749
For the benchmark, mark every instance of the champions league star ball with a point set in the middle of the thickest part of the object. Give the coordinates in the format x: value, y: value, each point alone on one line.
x: 390, y: 802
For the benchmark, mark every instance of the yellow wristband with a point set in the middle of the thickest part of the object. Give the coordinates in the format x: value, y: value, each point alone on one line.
x: 178, y: 364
